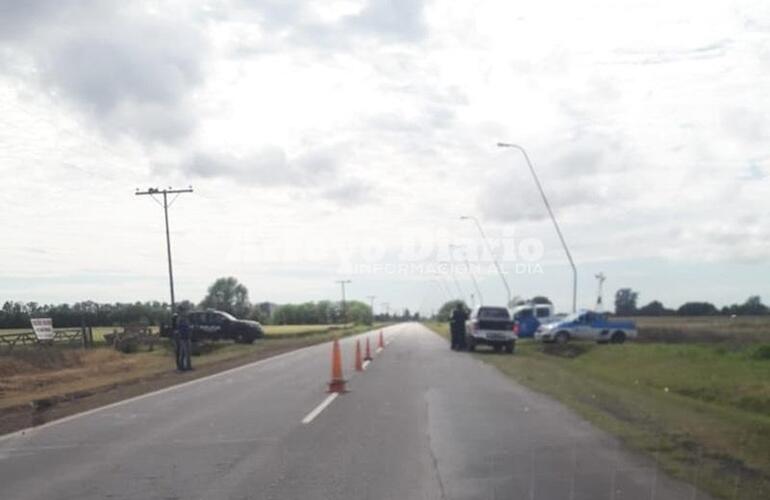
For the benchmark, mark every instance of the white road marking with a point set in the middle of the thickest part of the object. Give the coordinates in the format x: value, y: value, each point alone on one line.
x: 366, y: 363
x: 318, y: 409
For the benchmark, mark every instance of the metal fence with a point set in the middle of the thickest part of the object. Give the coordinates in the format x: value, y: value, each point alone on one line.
x: 81, y: 337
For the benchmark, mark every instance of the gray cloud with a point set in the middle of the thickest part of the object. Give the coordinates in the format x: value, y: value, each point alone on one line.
x: 385, y: 20
x: 353, y: 192
x: 317, y: 172
x: 128, y: 70
x: 391, y: 19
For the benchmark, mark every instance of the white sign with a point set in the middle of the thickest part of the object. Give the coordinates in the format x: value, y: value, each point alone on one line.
x: 43, y: 328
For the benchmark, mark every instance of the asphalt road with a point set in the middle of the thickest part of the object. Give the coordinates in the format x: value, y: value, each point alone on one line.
x: 421, y: 422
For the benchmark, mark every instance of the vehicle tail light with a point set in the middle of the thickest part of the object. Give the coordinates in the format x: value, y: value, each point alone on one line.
x: 516, y: 328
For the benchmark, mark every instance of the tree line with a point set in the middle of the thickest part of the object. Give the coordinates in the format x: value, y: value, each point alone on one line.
x: 225, y: 294
x: 626, y: 305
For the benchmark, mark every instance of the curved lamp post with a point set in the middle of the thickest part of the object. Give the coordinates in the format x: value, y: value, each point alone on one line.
x: 550, y: 212
x: 492, y: 254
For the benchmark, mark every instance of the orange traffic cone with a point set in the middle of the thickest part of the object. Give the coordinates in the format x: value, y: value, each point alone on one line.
x: 359, y: 365
x: 337, y: 383
x: 368, y: 356
x: 381, y: 343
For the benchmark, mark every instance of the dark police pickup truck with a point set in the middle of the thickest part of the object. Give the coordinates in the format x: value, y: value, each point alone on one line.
x: 219, y: 325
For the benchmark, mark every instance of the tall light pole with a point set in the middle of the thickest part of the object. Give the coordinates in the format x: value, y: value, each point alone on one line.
x: 492, y: 254
x: 461, y: 295
x: 443, y: 287
x: 344, y: 312
x: 165, y: 192
x: 473, y: 276
x: 550, y: 212
x: 600, y: 278
x: 371, y: 304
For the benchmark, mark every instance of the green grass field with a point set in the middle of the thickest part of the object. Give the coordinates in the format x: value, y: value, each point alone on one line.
x: 701, y: 408
x: 270, y: 330
x: 292, y: 330
x: 742, y: 329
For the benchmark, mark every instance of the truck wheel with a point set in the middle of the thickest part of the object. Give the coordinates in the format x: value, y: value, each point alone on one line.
x: 561, y: 338
x: 471, y: 344
x: 618, y: 338
x: 245, y: 338
x: 509, y: 347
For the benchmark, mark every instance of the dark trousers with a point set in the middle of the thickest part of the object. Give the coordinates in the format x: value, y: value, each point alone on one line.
x: 458, y: 338
x: 183, y: 349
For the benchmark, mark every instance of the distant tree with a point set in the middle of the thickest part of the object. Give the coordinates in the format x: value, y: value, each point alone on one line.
x: 445, y: 311
x: 518, y: 301
x: 697, y: 309
x: 654, y: 308
x: 625, y: 302
x: 753, y: 306
x: 227, y: 294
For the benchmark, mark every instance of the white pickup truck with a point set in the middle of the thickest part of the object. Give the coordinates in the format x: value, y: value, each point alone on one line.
x: 490, y: 326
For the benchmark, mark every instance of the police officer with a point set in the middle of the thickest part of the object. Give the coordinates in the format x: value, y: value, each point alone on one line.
x: 175, y: 339
x: 457, y: 327
x: 184, y: 342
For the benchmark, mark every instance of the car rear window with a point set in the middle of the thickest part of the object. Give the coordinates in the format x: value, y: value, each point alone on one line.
x: 493, y: 313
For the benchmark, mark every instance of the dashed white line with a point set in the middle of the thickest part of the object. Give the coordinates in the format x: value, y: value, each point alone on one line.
x: 318, y: 409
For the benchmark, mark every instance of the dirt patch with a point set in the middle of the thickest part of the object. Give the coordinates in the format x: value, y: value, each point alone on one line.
x: 46, y: 409
x: 568, y: 350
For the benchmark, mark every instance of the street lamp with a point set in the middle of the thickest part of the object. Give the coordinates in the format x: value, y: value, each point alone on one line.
x: 444, y: 288
x: 371, y: 302
x: 461, y: 294
x: 492, y: 254
x: 600, y: 278
x: 473, y: 277
x: 550, y: 212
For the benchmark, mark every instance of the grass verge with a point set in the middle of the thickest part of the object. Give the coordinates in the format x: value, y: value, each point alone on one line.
x: 701, y: 410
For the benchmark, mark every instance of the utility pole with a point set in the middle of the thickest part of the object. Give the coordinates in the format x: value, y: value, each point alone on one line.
x: 165, y: 204
x: 344, y: 312
x: 600, y: 278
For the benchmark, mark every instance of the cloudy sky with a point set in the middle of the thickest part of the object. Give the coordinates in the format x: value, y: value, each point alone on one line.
x: 322, y: 137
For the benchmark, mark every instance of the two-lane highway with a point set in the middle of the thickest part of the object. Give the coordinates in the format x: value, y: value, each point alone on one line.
x: 421, y: 422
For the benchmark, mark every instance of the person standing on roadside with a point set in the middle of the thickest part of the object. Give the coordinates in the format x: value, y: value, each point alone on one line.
x: 184, y: 341
x: 457, y: 327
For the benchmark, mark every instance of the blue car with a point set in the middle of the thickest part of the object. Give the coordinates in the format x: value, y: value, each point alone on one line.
x: 587, y: 325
